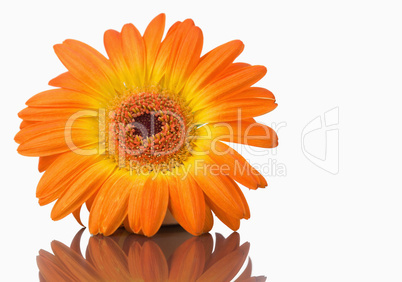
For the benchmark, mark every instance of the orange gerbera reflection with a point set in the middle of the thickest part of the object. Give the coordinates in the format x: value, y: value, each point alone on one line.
x: 172, y: 255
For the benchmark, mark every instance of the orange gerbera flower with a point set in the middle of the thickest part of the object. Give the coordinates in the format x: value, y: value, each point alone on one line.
x: 169, y: 256
x: 140, y: 134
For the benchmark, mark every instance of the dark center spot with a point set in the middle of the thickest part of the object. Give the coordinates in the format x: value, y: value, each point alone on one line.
x: 146, y: 125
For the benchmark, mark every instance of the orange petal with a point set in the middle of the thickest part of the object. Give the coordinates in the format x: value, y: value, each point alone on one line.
x: 77, y: 216
x: 68, y: 81
x: 126, y: 225
x: 154, y: 266
x: 82, y: 188
x: 90, y: 202
x: 135, y: 203
x: 96, y: 209
x: 173, y: 28
x: 224, y: 246
x: 108, y: 257
x: 25, y: 123
x: 36, y: 129
x: 246, y: 208
x: 187, y: 204
x: 111, y: 204
x: 63, y: 170
x: 228, y: 267
x: 211, y: 64
x: 252, y: 92
x: 47, y: 114
x: 221, y: 191
x: 169, y: 49
x: 233, y: 82
x: 187, y: 262
x: 45, y: 162
x: 233, y: 164
x: 230, y: 221
x: 235, y: 109
x: 97, y: 59
x: 232, y: 68
x: 152, y: 38
x: 246, y: 274
x: 63, y: 98
x: 114, y: 48
x: 86, y: 66
x: 247, y: 132
x: 51, y: 269
x: 134, y: 53
x: 209, y: 219
x: 45, y: 139
x: 155, y: 199
x: 185, y: 60
x: 134, y: 256
x: 74, y: 264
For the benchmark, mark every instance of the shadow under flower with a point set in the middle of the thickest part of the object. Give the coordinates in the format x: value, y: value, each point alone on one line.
x: 171, y: 255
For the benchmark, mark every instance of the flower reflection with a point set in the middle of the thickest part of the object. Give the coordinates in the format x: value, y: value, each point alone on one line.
x: 171, y: 255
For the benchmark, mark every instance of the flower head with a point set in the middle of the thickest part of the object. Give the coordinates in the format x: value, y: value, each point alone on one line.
x: 140, y: 135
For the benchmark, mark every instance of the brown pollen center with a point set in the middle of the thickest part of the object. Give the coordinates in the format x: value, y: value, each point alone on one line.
x: 149, y: 129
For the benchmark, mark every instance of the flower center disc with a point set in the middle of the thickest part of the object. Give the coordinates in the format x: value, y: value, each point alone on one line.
x: 149, y: 130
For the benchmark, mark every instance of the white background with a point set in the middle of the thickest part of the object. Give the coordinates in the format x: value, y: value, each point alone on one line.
x: 308, y: 225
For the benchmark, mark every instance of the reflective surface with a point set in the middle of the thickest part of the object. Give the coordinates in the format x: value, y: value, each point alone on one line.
x: 171, y: 255
x: 308, y: 225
